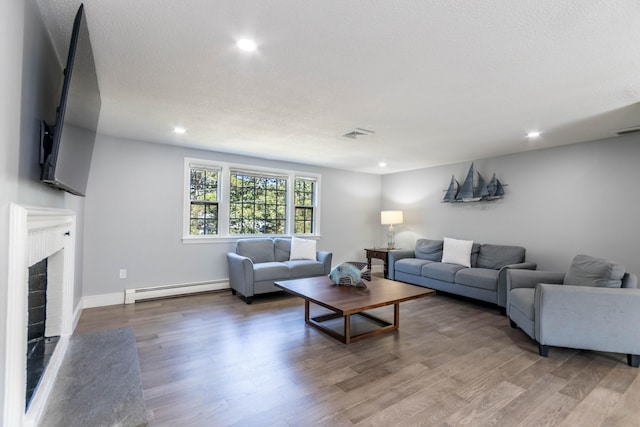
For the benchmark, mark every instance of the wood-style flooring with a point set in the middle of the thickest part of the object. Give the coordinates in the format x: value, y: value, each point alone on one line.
x: 212, y: 360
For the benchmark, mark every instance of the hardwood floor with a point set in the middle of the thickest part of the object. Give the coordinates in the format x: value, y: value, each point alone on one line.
x: 212, y: 360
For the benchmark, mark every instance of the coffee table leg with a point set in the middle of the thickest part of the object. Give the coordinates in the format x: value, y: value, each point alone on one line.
x: 396, y: 315
x: 347, y: 329
x: 346, y: 336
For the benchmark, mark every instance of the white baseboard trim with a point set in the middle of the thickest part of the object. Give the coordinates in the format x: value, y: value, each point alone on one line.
x: 76, y: 315
x: 91, y: 301
x: 139, y: 294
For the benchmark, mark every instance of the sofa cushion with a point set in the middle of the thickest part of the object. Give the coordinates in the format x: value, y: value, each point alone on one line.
x: 590, y: 271
x: 258, y: 249
x: 282, y: 247
x: 456, y: 251
x: 429, y: 249
x: 522, y: 299
x: 441, y: 271
x: 411, y: 265
x: 483, y: 278
x: 497, y: 256
x: 304, y: 268
x: 475, y: 250
x: 270, y: 271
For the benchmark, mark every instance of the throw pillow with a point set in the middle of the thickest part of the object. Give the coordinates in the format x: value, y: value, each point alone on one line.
x: 590, y: 271
x: 457, y: 251
x: 497, y: 256
x: 302, y: 249
x: 429, y: 249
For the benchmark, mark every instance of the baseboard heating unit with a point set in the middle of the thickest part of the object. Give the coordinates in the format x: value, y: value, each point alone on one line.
x: 164, y: 291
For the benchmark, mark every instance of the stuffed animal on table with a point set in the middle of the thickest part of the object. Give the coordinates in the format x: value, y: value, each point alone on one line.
x: 349, y: 274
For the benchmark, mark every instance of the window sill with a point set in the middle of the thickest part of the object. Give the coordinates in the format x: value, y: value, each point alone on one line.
x: 195, y: 240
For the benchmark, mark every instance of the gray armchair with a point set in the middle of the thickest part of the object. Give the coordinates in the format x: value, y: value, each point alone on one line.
x: 595, y: 306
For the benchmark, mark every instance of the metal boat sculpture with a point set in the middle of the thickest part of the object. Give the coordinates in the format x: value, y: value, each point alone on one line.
x: 350, y: 274
x: 452, y: 191
x: 495, y: 188
x: 473, y: 189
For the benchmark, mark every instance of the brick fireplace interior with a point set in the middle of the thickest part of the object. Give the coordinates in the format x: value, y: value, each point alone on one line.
x: 39, y: 346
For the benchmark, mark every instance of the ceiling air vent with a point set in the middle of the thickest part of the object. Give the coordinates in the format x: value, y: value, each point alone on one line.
x: 358, y: 132
x: 627, y: 131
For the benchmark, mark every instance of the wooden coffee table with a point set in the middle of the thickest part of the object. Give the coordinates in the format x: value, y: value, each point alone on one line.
x: 344, y: 301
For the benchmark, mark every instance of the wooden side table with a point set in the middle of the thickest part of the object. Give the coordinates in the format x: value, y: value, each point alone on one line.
x: 380, y: 253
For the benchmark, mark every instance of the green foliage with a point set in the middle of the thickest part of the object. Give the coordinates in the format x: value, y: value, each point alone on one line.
x: 203, y: 218
x: 304, y: 199
x: 257, y: 204
x: 203, y: 193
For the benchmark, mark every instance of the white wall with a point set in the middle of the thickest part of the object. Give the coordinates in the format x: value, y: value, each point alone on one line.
x: 559, y: 202
x: 134, y: 207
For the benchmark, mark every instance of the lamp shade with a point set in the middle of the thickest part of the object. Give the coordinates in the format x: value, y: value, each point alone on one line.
x: 391, y: 217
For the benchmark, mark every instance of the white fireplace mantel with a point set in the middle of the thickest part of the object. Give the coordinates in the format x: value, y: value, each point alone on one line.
x: 36, y: 233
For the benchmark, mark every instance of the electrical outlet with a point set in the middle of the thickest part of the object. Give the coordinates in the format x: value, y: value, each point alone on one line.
x: 123, y: 274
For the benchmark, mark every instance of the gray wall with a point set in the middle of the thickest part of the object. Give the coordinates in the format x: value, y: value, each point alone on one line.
x: 42, y: 83
x: 11, y: 30
x: 134, y: 207
x: 30, y: 78
x: 559, y: 202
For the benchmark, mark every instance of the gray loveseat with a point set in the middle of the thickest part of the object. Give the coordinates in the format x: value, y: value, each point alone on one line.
x: 484, y: 280
x: 259, y: 262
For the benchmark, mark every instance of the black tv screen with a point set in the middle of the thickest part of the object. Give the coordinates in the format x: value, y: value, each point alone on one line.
x: 67, y: 146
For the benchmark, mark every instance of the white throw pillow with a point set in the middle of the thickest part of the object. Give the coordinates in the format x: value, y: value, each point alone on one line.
x: 457, y: 251
x: 302, y: 249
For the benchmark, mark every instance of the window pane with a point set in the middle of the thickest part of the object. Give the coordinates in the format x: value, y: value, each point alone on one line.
x: 203, y: 193
x: 304, y: 199
x: 203, y: 218
x: 257, y: 204
x: 210, y: 186
x: 304, y: 220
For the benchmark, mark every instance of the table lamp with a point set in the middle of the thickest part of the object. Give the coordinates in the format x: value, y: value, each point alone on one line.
x: 390, y: 218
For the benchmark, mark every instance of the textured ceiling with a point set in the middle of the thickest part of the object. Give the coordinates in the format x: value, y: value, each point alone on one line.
x: 438, y: 81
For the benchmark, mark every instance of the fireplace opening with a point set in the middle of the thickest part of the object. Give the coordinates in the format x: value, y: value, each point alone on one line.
x: 39, y: 346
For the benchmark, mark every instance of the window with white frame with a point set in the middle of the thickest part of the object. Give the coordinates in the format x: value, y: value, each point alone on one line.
x: 203, y: 199
x: 228, y: 200
x: 304, y: 195
x: 257, y: 203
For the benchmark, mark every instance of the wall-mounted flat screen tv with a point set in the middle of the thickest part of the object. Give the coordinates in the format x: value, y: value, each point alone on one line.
x: 66, y: 147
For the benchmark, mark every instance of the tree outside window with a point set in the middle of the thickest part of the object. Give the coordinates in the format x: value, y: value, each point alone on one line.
x: 223, y: 200
x: 257, y: 204
x: 304, y: 200
x: 203, y: 201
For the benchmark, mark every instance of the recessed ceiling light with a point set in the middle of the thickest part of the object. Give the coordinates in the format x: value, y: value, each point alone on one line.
x: 247, y: 45
x: 179, y: 130
x: 382, y: 164
x: 533, y: 134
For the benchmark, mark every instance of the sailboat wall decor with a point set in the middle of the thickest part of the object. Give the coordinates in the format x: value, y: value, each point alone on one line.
x: 474, y: 188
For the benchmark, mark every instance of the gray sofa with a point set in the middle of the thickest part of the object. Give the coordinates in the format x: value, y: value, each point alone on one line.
x: 595, y: 306
x: 259, y: 262
x: 484, y: 280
